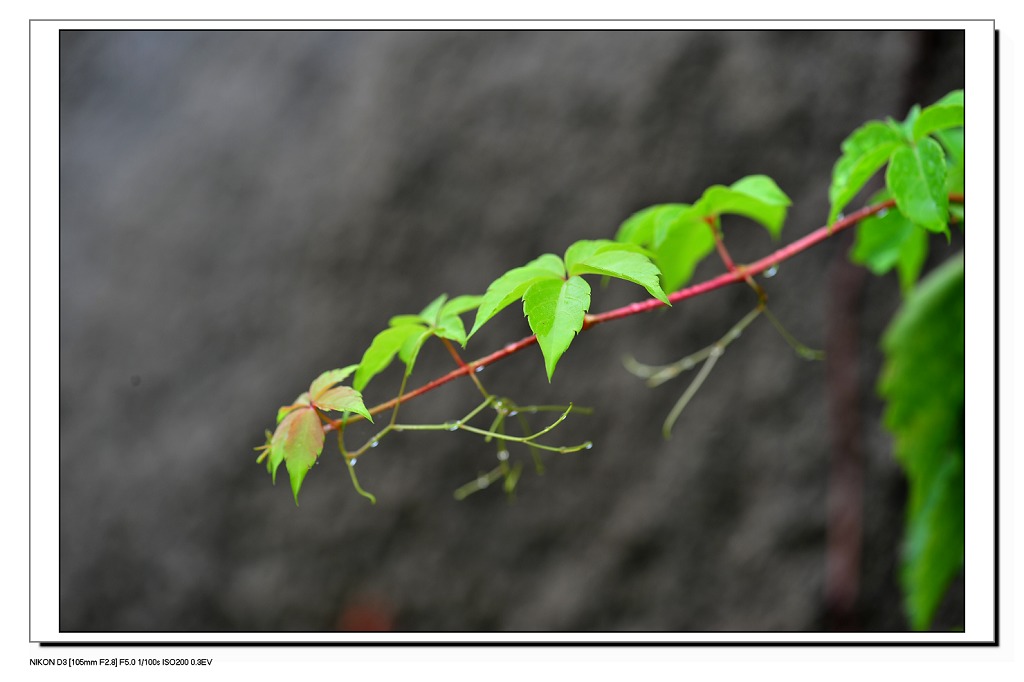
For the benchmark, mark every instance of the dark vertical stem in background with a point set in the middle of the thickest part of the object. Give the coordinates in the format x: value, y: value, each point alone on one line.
x: 846, y: 473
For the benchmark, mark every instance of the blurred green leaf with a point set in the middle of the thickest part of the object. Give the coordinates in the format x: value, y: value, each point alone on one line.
x: 922, y: 382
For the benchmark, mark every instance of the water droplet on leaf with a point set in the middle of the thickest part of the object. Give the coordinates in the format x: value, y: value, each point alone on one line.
x: 352, y: 462
x: 502, y: 455
x: 479, y: 368
x: 772, y: 271
x: 454, y: 426
x: 588, y: 445
x: 373, y: 445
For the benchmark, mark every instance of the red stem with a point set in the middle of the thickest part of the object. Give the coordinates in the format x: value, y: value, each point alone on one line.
x: 738, y: 275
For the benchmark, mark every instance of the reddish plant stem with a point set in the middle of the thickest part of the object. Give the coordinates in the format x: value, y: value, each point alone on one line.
x: 739, y: 274
x: 723, y: 252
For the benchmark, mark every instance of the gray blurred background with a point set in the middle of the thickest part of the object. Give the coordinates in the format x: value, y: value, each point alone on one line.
x: 243, y: 210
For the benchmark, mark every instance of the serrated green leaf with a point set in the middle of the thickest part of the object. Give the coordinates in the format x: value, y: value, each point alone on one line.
x: 328, y: 379
x: 938, y: 117
x: 382, y: 351
x: 555, y: 310
x: 916, y: 178
x: 429, y: 314
x: 923, y: 384
x: 511, y: 286
x: 865, y: 151
x: 342, y: 399
x: 301, y: 401
x: 607, y: 258
x: 298, y: 441
x: 888, y: 240
x: 756, y: 197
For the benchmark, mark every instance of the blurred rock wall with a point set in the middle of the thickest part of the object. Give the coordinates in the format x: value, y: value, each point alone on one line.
x: 243, y: 210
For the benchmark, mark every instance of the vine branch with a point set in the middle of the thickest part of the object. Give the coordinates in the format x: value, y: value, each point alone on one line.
x: 740, y: 274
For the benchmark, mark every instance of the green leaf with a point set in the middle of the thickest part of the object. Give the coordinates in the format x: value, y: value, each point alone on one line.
x: 756, y: 197
x: 917, y: 180
x: 639, y: 227
x: 460, y: 304
x: 556, y: 310
x: 298, y: 441
x: 451, y: 327
x: 382, y: 351
x: 888, y: 240
x: 342, y: 399
x: 678, y: 238
x: 429, y: 314
x: 403, y: 320
x: 910, y: 121
x: 938, y: 117
x: 411, y: 348
x: 953, y: 142
x: 685, y: 244
x: 934, y: 549
x: 607, y: 258
x: 511, y: 286
x: 865, y: 151
x: 922, y: 382
x: 328, y: 379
